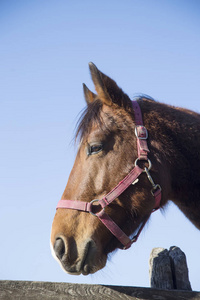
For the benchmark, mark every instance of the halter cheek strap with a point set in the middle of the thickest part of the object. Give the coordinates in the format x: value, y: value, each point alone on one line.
x: 141, y: 135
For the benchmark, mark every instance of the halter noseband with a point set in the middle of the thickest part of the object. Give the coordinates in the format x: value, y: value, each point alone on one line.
x: 132, y: 178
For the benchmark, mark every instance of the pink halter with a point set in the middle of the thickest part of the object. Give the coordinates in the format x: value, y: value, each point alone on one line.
x: 142, y: 135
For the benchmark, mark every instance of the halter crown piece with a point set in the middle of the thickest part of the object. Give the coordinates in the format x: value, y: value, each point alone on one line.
x: 143, y: 150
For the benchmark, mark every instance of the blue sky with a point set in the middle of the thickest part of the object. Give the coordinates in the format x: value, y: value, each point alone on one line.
x: 147, y: 46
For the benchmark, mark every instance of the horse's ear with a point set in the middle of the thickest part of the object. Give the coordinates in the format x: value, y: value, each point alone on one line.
x: 107, y: 89
x: 98, y: 79
x: 89, y: 96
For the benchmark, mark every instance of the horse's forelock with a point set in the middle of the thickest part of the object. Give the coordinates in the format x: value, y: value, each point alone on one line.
x: 90, y: 115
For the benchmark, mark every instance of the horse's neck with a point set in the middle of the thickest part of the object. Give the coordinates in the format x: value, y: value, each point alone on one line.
x: 176, y: 132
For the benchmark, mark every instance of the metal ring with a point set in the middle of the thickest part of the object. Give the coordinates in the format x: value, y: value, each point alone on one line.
x: 95, y: 200
x: 148, y: 160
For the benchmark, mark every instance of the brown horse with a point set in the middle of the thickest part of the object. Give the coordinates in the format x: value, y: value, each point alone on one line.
x: 112, y: 154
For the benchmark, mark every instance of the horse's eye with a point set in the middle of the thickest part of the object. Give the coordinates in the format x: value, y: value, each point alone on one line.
x: 93, y: 149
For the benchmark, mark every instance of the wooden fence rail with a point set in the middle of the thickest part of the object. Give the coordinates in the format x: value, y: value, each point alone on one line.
x: 33, y: 290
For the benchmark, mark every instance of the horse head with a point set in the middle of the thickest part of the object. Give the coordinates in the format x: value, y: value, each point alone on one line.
x: 106, y: 154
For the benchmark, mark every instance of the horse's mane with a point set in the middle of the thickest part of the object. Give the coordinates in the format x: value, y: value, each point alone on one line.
x: 141, y: 96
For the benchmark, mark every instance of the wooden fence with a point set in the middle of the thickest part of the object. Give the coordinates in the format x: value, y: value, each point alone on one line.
x: 168, y: 269
x: 29, y: 290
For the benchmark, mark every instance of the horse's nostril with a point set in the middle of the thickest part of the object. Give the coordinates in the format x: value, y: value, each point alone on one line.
x: 59, y: 248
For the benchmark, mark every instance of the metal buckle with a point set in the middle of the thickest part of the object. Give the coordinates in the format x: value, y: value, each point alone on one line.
x: 143, y: 131
x: 95, y: 200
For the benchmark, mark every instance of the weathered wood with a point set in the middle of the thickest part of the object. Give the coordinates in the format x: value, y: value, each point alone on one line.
x: 179, y: 269
x: 29, y: 290
x: 168, y: 269
x: 160, y: 269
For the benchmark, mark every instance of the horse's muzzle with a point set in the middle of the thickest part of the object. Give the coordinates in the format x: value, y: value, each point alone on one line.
x: 73, y: 260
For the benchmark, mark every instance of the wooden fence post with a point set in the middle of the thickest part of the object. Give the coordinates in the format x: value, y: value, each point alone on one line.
x: 168, y: 269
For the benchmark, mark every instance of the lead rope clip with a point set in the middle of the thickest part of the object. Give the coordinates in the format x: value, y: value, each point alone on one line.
x: 154, y: 186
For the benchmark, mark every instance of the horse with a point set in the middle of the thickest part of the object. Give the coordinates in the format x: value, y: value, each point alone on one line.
x: 133, y: 157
